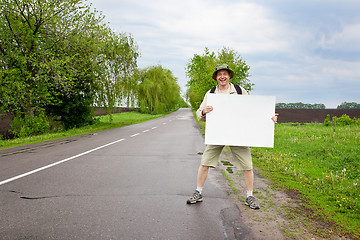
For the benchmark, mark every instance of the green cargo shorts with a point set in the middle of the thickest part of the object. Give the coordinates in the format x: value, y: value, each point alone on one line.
x: 241, y: 156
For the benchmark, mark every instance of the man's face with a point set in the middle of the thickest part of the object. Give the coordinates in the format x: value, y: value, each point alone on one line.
x: 222, y: 77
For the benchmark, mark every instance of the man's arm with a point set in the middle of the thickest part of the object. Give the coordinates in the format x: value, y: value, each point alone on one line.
x: 203, y: 109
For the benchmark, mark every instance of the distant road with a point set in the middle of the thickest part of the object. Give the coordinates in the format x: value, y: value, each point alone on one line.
x: 125, y: 183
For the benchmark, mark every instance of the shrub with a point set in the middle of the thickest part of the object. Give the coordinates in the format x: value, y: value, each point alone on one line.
x: 343, y: 120
x: 24, y: 126
x: 327, y: 121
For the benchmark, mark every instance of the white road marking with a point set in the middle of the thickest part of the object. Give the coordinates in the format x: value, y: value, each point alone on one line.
x: 57, y: 163
x: 67, y: 159
x: 146, y: 130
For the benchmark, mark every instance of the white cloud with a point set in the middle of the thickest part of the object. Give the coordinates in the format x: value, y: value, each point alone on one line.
x: 347, y: 39
x: 244, y: 26
x: 296, y: 51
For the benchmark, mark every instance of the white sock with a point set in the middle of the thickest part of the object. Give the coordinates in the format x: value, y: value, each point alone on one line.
x: 249, y: 193
x: 199, y: 189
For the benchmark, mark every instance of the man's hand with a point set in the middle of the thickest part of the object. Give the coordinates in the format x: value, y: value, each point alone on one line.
x: 206, y: 110
x: 274, y: 118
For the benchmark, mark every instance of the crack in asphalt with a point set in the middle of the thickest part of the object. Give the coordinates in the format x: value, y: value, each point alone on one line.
x: 233, y: 225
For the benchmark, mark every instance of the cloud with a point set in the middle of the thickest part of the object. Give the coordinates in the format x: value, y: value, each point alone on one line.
x: 298, y: 51
x: 342, y: 45
x: 241, y: 25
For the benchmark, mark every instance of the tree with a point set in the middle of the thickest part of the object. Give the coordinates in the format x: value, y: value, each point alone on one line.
x: 349, y: 105
x: 117, y: 68
x: 182, y: 103
x: 158, y: 90
x: 200, y: 68
x: 79, y: 44
x: 46, y: 51
x: 56, y: 59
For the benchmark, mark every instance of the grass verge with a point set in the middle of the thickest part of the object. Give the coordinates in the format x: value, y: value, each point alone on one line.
x: 319, y: 165
x: 102, y: 123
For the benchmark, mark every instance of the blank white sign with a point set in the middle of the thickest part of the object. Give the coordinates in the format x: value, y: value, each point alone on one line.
x: 240, y: 120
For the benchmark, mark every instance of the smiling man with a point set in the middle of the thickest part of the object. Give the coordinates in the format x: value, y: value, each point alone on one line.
x: 241, y: 154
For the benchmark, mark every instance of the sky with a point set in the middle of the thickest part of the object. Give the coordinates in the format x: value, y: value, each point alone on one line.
x: 298, y: 51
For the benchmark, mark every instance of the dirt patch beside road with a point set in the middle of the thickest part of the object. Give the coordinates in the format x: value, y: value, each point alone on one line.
x: 280, y: 216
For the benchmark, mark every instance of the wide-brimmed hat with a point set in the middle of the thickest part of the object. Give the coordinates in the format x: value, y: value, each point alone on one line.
x: 222, y: 67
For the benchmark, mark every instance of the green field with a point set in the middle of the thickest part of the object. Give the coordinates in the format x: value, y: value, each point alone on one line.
x: 321, y: 164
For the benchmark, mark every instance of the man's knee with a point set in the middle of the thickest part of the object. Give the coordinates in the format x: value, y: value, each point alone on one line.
x: 204, y: 168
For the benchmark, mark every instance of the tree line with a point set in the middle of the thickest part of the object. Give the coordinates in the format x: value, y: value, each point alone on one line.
x: 58, y: 60
x: 300, y: 105
x: 349, y: 105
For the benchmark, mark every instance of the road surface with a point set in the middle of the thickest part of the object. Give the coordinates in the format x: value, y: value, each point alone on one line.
x: 125, y: 183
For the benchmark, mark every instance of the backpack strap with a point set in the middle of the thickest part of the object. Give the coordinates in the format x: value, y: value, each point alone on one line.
x: 237, y: 87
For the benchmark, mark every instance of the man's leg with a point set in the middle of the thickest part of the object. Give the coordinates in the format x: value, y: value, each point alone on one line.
x: 249, y: 179
x: 249, y: 184
x: 209, y: 159
x: 202, y: 175
x: 201, y: 178
x: 243, y: 161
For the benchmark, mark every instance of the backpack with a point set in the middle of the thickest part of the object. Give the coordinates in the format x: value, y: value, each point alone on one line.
x: 237, y: 87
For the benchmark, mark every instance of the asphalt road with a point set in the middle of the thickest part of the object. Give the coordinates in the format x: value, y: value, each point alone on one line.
x: 125, y: 183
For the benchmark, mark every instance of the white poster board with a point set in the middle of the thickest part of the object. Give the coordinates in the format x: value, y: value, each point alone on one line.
x: 240, y: 120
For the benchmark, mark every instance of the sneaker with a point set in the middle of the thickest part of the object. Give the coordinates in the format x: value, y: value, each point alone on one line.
x: 196, y: 197
x: 250, y: 201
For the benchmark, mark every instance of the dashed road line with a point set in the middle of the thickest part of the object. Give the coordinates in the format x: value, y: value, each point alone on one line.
x: 67, y: 159
x: 57, y: 163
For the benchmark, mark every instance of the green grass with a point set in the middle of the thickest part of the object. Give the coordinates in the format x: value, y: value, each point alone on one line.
x: 103, y: 123
x: 322, y: 165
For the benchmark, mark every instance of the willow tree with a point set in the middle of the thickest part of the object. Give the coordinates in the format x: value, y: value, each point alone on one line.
x: 158, y: 90
x: 200, y: 68
x: 117, y: 65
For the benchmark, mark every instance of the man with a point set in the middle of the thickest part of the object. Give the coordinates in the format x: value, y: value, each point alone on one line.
x: 241, y: 155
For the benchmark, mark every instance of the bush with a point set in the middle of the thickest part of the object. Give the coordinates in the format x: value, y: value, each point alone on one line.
x: 74, y: 111
x: 327, y: 121
x: 343, y: 120
x: 24, y: 126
